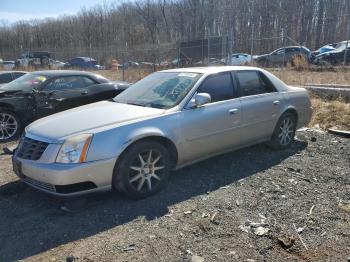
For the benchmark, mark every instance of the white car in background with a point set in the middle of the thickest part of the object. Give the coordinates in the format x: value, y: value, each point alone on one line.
x: 239, y: 59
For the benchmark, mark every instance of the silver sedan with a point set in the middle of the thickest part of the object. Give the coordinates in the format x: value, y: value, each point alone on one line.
x: 165, y: 121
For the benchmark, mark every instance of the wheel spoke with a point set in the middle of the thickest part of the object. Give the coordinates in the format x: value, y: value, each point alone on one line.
x: 156, y: 160
x: 142, y: 181
x: 141, y: 160
x: 135, y: 178
x: 158, y: 168
x: 136, y: 168
x: 149, y: 157
x: 149, y: 183
x: 155, y: 176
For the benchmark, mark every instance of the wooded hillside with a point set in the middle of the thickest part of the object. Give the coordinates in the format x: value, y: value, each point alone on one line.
x: 141, y: 29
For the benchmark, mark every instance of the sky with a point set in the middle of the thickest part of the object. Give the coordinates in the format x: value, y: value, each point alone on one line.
x: 15, y: 10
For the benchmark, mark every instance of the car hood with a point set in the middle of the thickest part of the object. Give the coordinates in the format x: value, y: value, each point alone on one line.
x: 335, y: 51
x: 6, y: 92
x: 87, y: 119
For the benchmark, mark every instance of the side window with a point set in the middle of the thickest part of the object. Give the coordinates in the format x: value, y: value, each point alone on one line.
x: 5, y: 78
x: 67, y: 82
x: 88, y: 81
x: 253, y: 83
x: 18, y: 74
x: 267, y: 84
x: 219, y: 87
x: 279, y: 51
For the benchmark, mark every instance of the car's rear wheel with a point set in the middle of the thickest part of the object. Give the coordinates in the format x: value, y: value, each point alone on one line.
x: 10, y: 125
x: 284, y: 132
x: 142, y: 170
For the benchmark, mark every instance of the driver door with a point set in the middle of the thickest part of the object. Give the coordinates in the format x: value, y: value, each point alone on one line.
x: 60, y: 93
x: 214, y: 127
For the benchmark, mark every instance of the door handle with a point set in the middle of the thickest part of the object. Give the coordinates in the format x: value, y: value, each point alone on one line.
x: 276, y: 102
x: 233, y: 111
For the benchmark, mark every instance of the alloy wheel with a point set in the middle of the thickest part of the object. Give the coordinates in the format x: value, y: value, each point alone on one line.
x: 145, y: 173
x: 8, y: 126
x: 286, y: 131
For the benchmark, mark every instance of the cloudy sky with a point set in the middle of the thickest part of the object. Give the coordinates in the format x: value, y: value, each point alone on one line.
x: 15, y: 10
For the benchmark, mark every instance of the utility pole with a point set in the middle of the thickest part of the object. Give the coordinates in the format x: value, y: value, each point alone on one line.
x: 229, y: 62
x: 347, y: 42
x: 283, y: 44
x: 252, y: 43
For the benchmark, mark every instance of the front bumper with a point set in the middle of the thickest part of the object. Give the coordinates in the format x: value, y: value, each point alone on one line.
x: 66, y: 179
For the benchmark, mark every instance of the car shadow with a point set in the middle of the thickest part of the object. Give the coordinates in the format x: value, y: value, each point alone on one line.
x: 32, y: 222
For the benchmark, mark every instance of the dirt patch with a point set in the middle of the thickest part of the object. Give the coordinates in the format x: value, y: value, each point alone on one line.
x: 234, y: 207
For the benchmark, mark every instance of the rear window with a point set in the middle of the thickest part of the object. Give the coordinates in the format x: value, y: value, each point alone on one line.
x: 5, y: 78
x: 254, y: 83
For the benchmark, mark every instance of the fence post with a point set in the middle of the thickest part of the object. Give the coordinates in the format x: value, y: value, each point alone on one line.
x: 252, y: 43
x: 347, y: 42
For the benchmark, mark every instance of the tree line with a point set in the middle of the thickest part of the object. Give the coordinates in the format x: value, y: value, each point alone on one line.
x: 152, y: 29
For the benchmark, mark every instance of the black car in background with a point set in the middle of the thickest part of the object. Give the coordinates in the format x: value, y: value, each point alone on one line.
x: 42, y: 93
x: 336, y: 56
x: 8, y: 76
x: 283, y: 55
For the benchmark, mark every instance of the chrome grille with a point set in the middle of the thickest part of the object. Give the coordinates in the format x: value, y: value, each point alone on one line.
x: 38, y: 184
x: 30, y: 149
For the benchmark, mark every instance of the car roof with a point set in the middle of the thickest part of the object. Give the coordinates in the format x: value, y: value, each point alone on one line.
x: 86, y: 59
x: 4, y: 72
x: 63, y: 73
x: 211, y: 69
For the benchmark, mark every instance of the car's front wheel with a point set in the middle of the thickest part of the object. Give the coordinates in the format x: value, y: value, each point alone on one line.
x: 284, y: 132
x: 10, y: 125
x: 142, y: 170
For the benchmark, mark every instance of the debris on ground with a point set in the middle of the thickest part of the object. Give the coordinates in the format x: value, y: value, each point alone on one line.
x: 286, y: 205
x: 286, y: 241
x: 196, y: 258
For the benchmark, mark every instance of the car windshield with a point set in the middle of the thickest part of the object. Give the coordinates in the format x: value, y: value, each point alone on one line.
x: 25, y: 83
x: 341, y: 46
x: 159, y: 90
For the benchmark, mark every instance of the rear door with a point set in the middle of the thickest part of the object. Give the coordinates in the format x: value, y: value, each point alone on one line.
x: 5, y: 78
x: 260, y: 103
x: 213, y: 127
x: 61, y: 93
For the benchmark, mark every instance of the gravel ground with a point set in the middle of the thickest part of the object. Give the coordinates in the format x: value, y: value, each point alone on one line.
x: 254, y: 204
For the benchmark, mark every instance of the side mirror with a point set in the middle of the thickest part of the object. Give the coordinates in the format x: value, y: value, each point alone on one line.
x: 199, y: 99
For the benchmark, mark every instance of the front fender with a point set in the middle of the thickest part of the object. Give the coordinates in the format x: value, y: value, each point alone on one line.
x: 119, y: 140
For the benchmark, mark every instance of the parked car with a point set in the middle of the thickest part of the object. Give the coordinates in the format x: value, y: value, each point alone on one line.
x: 129, y: 64
x: 283, y: 55
x: 83, y: 62
x: 8, y: 76
x: 42, y: 93
x: 239, y: 59
x: 165, y: 121
x: 324, y: 49
x: 34, y: 58
x: 56, y: 64
x: 335, y: 56
x: 8, y: 65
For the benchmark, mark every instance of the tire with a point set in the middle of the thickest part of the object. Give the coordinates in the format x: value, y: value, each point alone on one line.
x: 142, y: 170
x: 284, y: 132
x: 10, y: 125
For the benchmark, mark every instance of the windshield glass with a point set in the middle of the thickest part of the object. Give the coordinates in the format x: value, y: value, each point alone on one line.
x: 341, y: 46
x: 159, y: 90
x: 25, y: 83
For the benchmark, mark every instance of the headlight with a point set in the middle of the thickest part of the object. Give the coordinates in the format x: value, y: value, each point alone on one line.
x: 74, y: 149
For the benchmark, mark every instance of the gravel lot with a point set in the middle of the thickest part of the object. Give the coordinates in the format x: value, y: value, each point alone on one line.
x: 254, y: 204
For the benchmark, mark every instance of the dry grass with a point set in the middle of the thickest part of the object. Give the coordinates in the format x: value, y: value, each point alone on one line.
x: 300, y: 78
x: 328, y: 114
